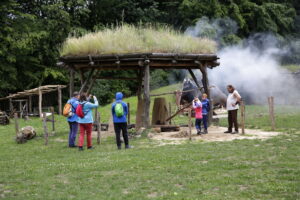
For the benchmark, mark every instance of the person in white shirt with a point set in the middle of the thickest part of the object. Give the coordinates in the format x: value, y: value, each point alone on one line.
x: 232, y: 107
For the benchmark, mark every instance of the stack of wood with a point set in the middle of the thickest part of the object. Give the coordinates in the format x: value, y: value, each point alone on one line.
x: 26, y: 133
x: 4, y: 119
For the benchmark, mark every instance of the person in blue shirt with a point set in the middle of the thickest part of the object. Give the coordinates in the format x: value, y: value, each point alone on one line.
x: 120, y: 122
x: 86, y: 123
x: 72, y: 120
x: 205, y: 111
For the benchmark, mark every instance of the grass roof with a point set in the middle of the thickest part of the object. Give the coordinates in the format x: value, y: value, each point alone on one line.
x: 130, y: 39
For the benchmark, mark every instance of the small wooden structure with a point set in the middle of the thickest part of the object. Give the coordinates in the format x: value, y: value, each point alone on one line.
x: 89, y: 68
x: 25, y: 98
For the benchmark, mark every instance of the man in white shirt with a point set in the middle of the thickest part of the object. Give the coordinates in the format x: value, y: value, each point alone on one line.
x: 232, y: 107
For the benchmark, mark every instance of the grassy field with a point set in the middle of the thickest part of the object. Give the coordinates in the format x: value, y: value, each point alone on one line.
x: 241, y: 169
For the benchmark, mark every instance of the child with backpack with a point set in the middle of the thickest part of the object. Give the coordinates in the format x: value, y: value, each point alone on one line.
x: 69, y: 112
x: 85, y: 119
x: 197, y: 106
x: 205, y: 111
x: 119, y: 111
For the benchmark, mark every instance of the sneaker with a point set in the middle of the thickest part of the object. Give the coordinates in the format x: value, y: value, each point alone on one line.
x: 80, y: 148
x: 205, y: 132
x: 91, y: 147
x: 73, y: 146
x: 227, y: 131
x: 119, y: 148
x: 128, y: 147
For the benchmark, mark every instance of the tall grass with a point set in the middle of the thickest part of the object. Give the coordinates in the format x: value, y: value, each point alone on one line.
x: 131, y: 39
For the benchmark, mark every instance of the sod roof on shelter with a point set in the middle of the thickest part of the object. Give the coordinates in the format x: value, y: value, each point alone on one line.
x: 127, y: 39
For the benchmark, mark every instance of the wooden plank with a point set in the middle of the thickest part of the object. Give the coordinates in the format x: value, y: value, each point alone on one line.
x: 40, y: 103
x: 45, y: 128
x: 72, y: 74
x: 146, y: 97
x: 59, y: 100
x: 98, y: 126
x: 178, y: 111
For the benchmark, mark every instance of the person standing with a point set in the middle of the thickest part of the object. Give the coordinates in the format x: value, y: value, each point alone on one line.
x: 86, y: 122
x: 72, y: 119
x: 205, y: 111
x: 197, y: 106
x: 119, y: 111
x: 232, y: 107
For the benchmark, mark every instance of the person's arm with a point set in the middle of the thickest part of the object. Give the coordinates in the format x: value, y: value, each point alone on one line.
x: 237, y: 96
x: 125, y: 109
x: 93, y: 105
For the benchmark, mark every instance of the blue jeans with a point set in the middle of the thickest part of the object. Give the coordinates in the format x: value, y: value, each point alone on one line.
x: 73, y: 133
x: 198, y: 124
x: 205, y: 120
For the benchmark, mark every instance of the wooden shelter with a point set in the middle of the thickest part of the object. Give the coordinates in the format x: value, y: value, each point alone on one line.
x: 24, y: 98
x: 89, y: 67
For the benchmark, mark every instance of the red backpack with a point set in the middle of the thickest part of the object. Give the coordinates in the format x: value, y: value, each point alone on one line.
x: 79, y: 110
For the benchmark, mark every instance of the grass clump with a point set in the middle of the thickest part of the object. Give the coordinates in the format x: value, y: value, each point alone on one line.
x: 130, y: 39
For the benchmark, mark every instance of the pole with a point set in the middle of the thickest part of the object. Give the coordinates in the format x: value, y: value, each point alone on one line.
x: 190, y: 124
x: 98, y: 127
x: 271, y: 112
x: 53, y: 121
x: 146, y: 119
x: 72, y: 73
x: 59, y: 100
x: 45, y: 128
x: 16, y: 124
x: 243, y: 116
x: 40, y: 102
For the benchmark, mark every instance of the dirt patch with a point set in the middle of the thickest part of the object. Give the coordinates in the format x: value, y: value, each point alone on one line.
x: 215, y: 134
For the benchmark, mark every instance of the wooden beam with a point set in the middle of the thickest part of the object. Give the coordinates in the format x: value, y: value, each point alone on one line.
x: 59, y: 100
x: 87, y: 81
x: 40, y: 103
x: 195, y: 79
x: 72, y: 74
x: 146, y: 96
x: 117, y: 78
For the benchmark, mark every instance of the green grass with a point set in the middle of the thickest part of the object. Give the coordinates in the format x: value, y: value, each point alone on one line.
x: 131, y: 39
x: 245, y: 169
x: 292, y: 68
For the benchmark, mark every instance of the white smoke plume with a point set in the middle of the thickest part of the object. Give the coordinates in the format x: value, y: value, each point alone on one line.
x: 253, y: 67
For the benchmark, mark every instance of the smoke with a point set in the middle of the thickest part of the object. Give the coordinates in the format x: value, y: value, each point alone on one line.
x: 252, y: 66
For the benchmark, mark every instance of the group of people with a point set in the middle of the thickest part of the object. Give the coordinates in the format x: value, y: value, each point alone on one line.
x: 202, y: 108
x: 82, y: 103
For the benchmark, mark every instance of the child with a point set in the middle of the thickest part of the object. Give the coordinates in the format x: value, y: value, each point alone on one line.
x: 205, y: 111
x: 197, y: 106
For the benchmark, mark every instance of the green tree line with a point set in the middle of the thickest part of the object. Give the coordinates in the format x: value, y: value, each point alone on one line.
x: 32, y: 31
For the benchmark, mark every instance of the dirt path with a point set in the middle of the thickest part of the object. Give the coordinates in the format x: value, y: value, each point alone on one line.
x: 215, y: 134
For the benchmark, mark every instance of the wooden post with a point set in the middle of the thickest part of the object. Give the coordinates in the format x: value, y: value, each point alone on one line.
x: 59, y: 100
x: 11, y: 107
x: 205, y: 83
x: 53, y: 121
x: 146, y: 117
x: 170, y: 112
x: 21, y: 109
x: 45, y: 128
x: 16, y: 123
x: 271, y: 112
x: 40, y: 102
x: 30, y: 104
x: 140, y: 106
x: 190, y: 124
x: 243, y: 116
x: 128, y: 118
x: 72, y: 74
x: 87, y: 81
x: 98, y: 126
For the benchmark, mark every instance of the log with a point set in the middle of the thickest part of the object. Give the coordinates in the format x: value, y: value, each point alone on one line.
x: 45, y: 128
x: 59, y: 100
x: 159, y: 111
x: 271, y: 112
x: 53, y: 121
x: 146, y: 119
x: 169, y: 128
x: 40, y: 102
